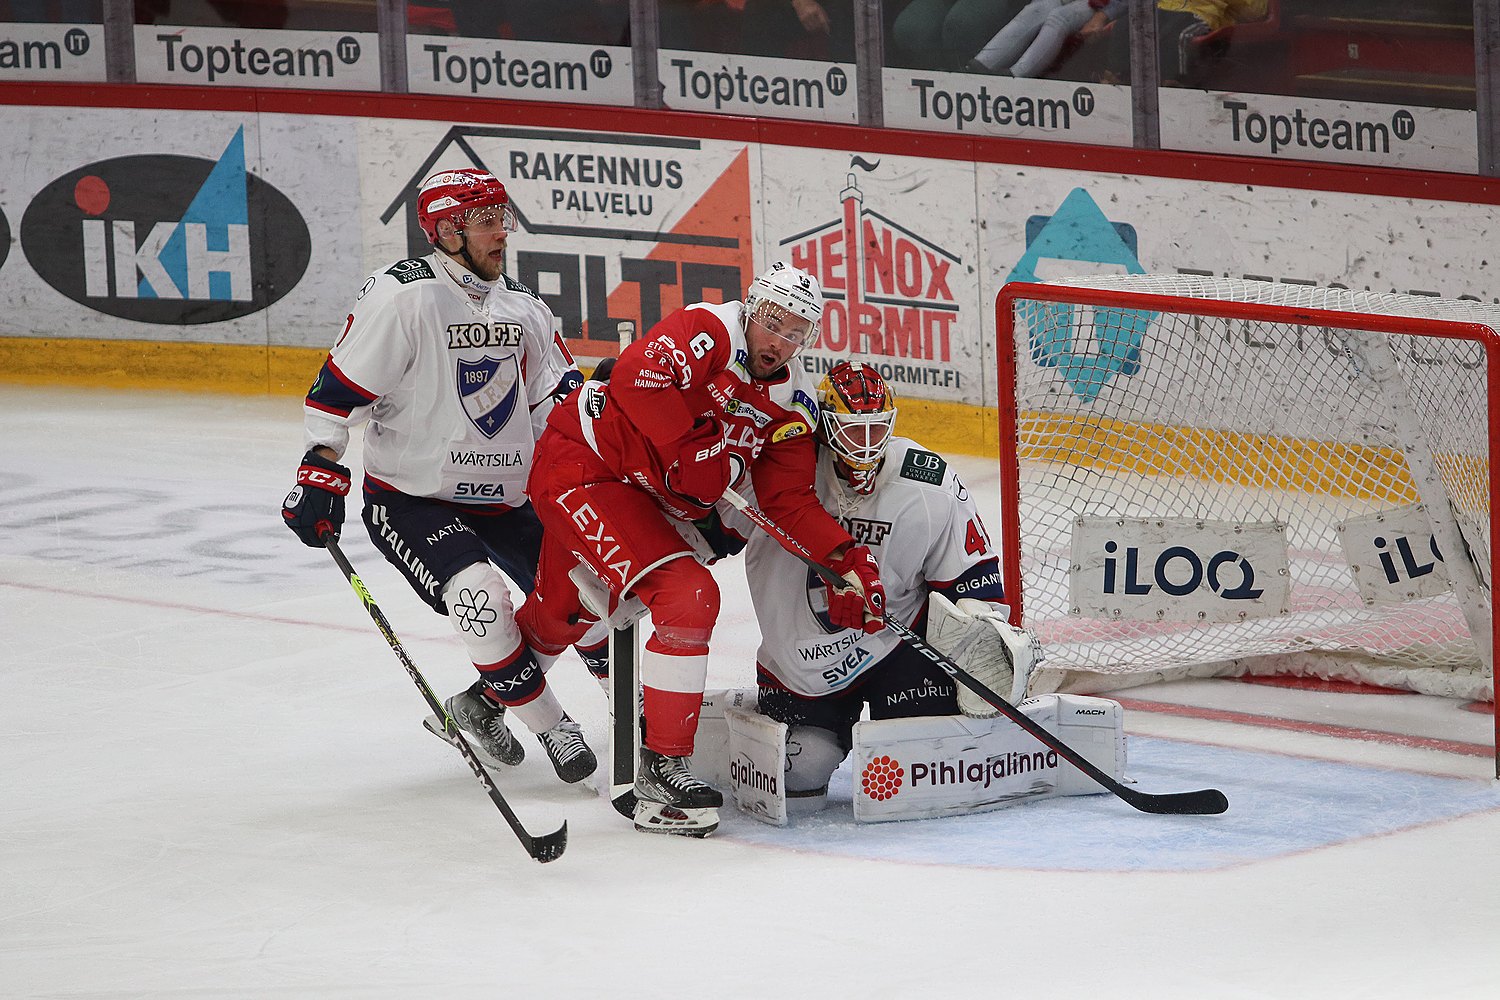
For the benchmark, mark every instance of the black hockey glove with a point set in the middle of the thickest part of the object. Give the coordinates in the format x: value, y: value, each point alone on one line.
x: 315, y: 506
x: 724, y: 542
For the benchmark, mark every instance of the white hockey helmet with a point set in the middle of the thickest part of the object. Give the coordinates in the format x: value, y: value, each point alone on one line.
x: 787, y: 301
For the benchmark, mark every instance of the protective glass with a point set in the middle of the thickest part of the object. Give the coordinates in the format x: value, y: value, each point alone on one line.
x: 781, y: 322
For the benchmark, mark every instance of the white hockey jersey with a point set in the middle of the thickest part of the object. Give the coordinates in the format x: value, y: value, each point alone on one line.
x: 923, y: 527
x: 455, y: 376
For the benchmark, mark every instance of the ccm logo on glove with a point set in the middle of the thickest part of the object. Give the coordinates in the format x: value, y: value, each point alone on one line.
x: 315, y: 507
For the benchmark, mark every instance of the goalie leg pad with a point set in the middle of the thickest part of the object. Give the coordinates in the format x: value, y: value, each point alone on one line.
x: 757, y: 765
x: 929, y: 766
x: 711, y: 751
x: 1095, y: 727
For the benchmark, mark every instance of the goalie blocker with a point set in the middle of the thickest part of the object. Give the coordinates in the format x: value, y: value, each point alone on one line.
x: 916, y: 768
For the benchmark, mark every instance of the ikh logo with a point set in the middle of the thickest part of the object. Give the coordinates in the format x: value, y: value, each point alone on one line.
x: 167, y: 239
x: 889, y: 291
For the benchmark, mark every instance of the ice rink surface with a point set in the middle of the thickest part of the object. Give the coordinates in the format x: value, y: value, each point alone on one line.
x: 213, y: 783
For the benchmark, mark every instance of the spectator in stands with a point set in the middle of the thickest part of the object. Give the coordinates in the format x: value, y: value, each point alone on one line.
x: 788, y: 29
x: 583, y: 22
x: 1179, y: 22
x: 1033, y: 39
x: 945, y: 34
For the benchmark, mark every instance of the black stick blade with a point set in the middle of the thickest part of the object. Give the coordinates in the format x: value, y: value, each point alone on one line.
x: 1204, y: 802
x: 549, y: 846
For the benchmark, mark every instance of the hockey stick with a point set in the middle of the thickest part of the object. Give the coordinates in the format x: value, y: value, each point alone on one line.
x: 1205, y: 802
x: 624, y: 650
x: 548, y: 847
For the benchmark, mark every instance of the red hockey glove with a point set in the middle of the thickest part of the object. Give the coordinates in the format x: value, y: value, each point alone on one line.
x: 700, y: 475
x: 861, y: 604
x: 315, y: 506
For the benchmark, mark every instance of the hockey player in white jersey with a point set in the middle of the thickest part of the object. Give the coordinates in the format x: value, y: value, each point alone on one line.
x: 455, y: 367
x: 919, y: 520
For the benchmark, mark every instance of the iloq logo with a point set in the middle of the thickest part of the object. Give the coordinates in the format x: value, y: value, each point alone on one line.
x: 1178, y: 569
x: 167, y: 239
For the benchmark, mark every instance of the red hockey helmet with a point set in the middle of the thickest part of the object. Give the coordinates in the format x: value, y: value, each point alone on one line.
x: 464, y: 198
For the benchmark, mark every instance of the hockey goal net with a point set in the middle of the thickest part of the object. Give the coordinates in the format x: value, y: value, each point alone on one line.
x: 1209, y: 476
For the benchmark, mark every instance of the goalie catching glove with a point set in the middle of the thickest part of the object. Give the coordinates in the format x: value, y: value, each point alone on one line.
x: 315, y: 507
x: 861, y: 604
x: 976, y: 636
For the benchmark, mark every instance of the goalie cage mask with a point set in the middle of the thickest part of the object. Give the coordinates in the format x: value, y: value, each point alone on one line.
x: 857, y: 417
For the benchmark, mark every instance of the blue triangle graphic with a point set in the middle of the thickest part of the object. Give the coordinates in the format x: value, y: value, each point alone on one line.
x: 221, y: 201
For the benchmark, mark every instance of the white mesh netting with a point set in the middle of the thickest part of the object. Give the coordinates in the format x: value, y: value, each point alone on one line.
x: 1150, y: 440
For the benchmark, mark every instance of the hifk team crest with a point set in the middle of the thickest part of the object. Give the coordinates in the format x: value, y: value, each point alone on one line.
x: 489, y: 389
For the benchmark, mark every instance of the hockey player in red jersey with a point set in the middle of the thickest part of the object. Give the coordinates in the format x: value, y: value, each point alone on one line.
x: 455, y: 367
x: 705, y: 401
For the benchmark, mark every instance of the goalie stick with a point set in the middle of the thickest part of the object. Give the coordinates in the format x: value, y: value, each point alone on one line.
x: 548, y: 847
x: 1205, y: 802
x: 624, y: 649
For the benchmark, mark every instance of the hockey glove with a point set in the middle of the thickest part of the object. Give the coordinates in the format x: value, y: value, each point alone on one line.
x: 315, y: 506
x: 700, y: 475
x: 720, y: 539
x: 861, y: 604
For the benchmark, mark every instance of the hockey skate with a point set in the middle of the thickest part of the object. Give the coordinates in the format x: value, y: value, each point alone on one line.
x: 570, y: 755
x: 671, y: 799
x: 483, y: 721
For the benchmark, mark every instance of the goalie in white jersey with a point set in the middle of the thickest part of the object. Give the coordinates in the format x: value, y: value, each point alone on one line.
x: 456, y: 368
x: 920, y: 521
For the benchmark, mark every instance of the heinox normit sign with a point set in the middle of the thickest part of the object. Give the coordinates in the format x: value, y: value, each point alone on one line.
x: 167, y: 239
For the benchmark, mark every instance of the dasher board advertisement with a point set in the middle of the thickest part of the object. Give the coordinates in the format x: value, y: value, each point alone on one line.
x: 519, y: 70
x: 613, y: 227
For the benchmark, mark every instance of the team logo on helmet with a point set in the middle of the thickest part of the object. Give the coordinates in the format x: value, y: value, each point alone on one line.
x: 489, y: 390
x: 462, y: 197
x: 787, y: 301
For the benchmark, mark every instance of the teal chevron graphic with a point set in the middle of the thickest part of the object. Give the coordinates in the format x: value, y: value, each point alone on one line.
x: 1079, y: 234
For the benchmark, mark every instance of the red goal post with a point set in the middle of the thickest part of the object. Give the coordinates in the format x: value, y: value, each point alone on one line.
x: 1209, y: 476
